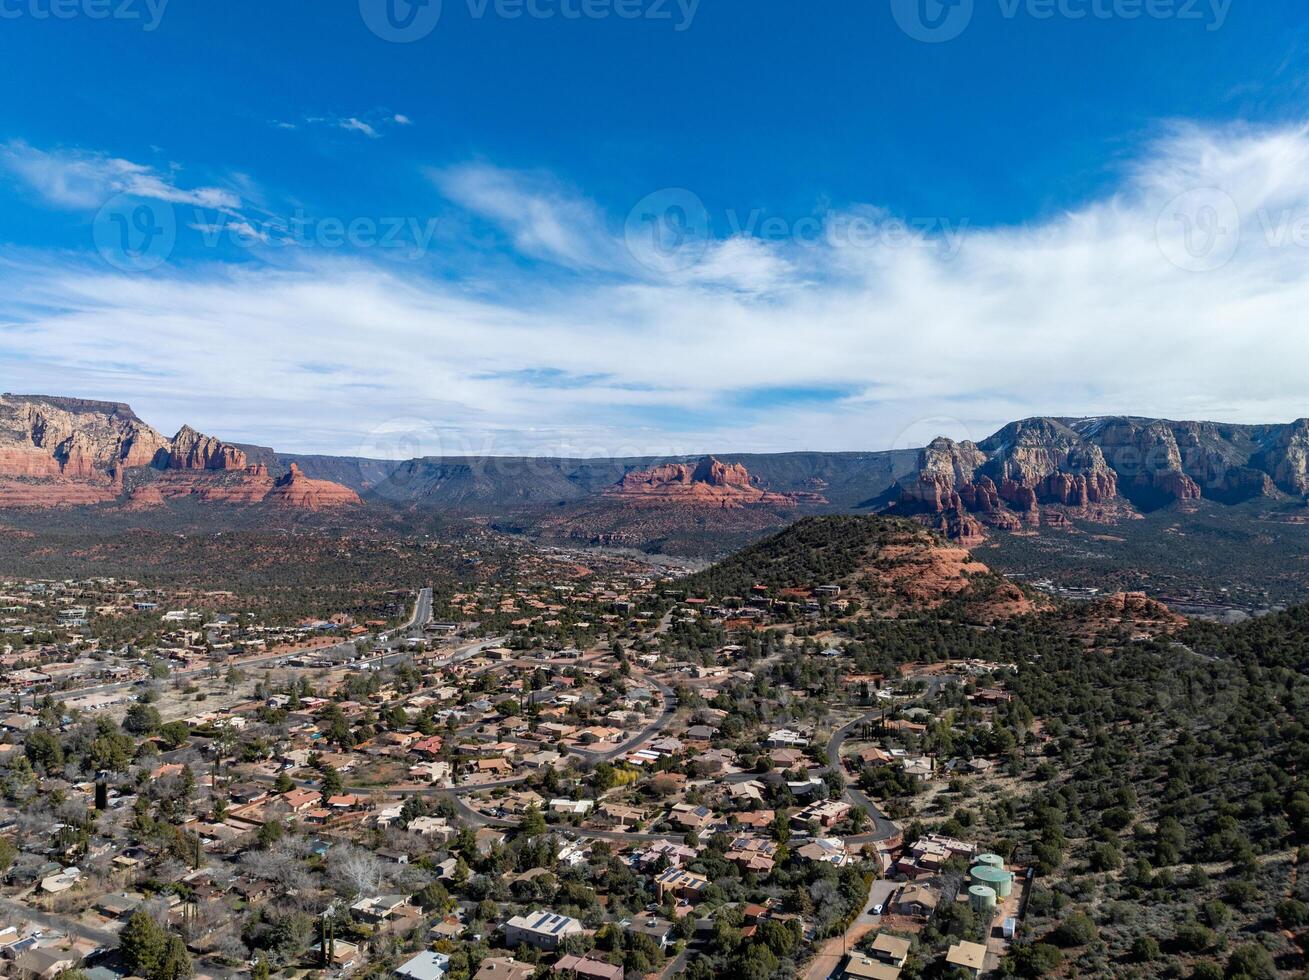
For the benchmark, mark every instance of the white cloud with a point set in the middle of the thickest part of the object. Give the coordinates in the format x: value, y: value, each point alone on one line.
x: 79, y: 180
x: 1093, y: 311
x: 542, y: 218
x: 354, y: 125
x: 400, y: 119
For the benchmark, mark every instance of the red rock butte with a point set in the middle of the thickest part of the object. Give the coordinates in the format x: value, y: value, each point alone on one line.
x: 709, y: 483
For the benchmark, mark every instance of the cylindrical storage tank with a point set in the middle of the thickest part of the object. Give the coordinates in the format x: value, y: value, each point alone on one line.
x: 981, y: 898
x: 997, y: 879
x: 990, y: 860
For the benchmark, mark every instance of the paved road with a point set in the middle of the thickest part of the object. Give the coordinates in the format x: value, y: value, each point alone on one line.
x: 883, y: 827
x: 645, y: 734
x: 63, y: 923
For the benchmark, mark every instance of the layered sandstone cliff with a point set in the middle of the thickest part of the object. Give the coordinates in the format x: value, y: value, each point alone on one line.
x: 58, y: 452
x: 1005, y: 480
x: 191, y: 450
x: 1052, y: 471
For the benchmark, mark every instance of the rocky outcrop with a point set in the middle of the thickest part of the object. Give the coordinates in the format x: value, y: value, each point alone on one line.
x: 1286, y: 458
x: 1006, y: 479
x: 299, y: 491
x: 1131, y: 615
x: 709, y: 483
x: 1053, y: 472
x: 192, y: 450
x: 246, y: 486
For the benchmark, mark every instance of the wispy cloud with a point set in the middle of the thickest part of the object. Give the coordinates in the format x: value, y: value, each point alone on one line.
x: 353, y: 125
x: 370, y: 124
x: 1165, y: 297
x: 543, y: 218
x: 77, y: 179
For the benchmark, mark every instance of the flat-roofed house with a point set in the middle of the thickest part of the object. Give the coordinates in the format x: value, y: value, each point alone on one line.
x: 544, y: 930
x: 967, y: 956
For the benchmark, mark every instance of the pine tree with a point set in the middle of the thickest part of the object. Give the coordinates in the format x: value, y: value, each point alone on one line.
x: 142, y: 944
x: 175, y: 963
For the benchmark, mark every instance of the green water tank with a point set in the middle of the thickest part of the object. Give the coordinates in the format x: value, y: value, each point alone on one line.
x: 981, y: 898
x: 990, y: 860
x: 997, y: 879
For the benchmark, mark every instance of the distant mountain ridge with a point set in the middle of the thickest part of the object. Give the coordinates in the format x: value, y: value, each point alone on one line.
x: 1043, y: 470
x: 1040, y: 472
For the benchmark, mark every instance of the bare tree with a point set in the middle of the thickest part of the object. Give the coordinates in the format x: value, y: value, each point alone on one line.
x: 354, y: 871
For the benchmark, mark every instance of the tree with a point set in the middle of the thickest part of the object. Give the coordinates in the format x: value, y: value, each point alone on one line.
x: 174, y: 734
x: 1037, y: 960
x: 533, y: 822
x: 1076, y: 930
x: 781, y: 827
x: 175, y: 963
x: 1195, y: 938
x: 7, y: 853
x: 142, y: 944
x: 1292, y: 913
x: 270, y: 833
x: 1251, y: 961
x: 354, y: 870
x: 44, y: 751
x: 1145, y: 949
x: 142, y: 719
x: 332, y: 784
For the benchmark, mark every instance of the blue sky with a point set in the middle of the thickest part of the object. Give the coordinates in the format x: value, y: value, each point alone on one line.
x: 694, y: 227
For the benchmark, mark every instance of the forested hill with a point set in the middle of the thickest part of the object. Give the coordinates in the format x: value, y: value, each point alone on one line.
x: 813, y: 551
x: 888, y: 566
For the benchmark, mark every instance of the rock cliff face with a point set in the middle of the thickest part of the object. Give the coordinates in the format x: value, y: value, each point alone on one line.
x: 63, y: 452
x: 1005, y: 480
x: 193, y: 451
x: 709, y: 483
x: 1050, y: 472
x: 44, y: 436
x: 1285, y: 459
